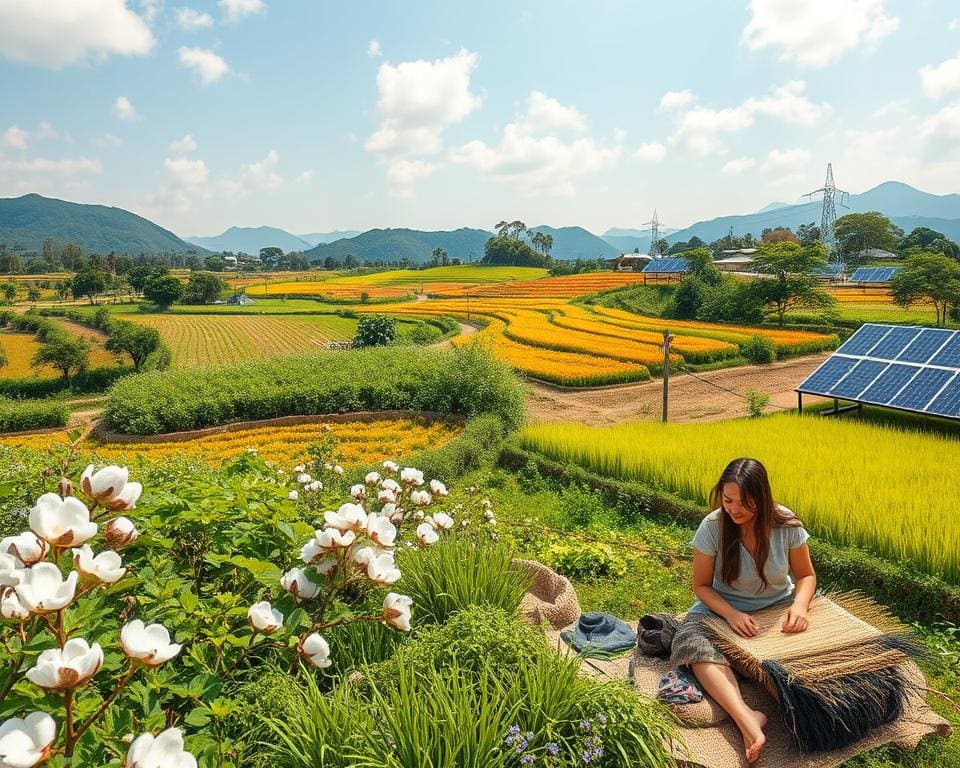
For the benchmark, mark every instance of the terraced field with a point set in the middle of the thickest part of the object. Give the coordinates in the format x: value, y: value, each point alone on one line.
x: 210, y: 340
x: 20, y: 348
x: 564, y: 287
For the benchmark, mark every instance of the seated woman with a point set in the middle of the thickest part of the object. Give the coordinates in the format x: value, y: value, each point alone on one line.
x: 743, y: 553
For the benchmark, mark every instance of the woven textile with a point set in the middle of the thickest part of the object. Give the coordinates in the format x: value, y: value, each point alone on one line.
x: 837, y: 680
x: 551, y: 597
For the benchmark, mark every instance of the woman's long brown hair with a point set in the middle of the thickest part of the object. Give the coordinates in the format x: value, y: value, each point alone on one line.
x: 750, y: 476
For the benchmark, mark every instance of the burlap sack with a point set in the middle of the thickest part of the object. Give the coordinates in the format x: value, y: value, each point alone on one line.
x: 551, y: 597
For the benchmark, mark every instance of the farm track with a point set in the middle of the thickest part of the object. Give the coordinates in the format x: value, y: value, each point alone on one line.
x: 690, y: 398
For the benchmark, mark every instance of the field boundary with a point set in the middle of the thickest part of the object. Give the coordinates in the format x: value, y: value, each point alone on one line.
x: 100, y: 432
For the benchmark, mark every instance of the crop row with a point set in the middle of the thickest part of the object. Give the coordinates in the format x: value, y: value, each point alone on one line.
x: 563, y: 287
x: 360, y: 442
x: 852, y: 486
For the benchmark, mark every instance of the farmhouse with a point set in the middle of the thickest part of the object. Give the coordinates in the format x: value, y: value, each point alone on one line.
x: 736, y: 260
x: 241, y: 299
x: 630, y: 262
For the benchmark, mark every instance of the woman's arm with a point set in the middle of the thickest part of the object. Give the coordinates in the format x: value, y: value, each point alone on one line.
x: 795, y: 619
x: 703, y: 566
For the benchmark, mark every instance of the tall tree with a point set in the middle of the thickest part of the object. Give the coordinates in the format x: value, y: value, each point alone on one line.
x: 789, y: 282
x: 163, y: 290
x: 808, y: 234
x: 926, y: 239
x: 270, y: 255
x: 857, y: 232
x: 90, y: 282
x: 135, y: 340
x: 63, y: 351
x: 203, y: 287
x: 931, y: 277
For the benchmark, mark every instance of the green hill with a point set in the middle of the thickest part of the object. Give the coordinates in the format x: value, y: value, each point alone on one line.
x: 413, y: 245
x: 571, y: 243
x: 26, y: 221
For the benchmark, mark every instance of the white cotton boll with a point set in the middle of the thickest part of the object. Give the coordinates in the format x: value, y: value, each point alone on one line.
x: 396, y: 611
x: 264, y: 618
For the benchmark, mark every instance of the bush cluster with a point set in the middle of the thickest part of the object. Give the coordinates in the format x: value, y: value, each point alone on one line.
x: 466, y: 381
x: 759, y: 349
x: 19, y: 415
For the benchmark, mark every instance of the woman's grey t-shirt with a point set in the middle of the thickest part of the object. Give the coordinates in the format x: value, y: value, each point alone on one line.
x: 747, y: 593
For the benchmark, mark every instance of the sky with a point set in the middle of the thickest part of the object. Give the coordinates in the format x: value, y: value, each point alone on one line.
x: 314, y: 116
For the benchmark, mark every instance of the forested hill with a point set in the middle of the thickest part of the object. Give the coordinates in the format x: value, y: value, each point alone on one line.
x: 413, y: 245
x: 26, y: 221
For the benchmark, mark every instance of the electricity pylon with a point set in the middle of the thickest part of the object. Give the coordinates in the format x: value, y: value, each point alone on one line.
x: 828, y: 216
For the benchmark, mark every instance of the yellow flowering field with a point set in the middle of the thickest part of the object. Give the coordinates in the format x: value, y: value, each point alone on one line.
x: 360, y: 442
x: 20, y: 348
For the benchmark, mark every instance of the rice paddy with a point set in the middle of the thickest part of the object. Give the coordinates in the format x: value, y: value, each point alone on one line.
x: 360, y: 442
x: 850, y: 482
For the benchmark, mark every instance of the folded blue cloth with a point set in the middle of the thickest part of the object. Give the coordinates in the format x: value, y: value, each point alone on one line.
x: 600, y: 632
x: 677, y: 687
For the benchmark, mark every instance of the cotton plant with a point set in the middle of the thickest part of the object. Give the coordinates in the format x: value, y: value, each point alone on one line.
x: 71, y: 552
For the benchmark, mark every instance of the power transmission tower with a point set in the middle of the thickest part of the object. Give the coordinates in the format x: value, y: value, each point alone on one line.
x: 654, y: 234
x: 828, y: 217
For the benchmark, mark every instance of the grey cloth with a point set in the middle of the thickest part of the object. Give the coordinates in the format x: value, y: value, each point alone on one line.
x: 655, y: 632
x: 600, y: 632
x: 691, y: 645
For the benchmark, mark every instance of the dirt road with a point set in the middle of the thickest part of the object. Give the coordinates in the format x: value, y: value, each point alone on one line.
x: 691, y: 399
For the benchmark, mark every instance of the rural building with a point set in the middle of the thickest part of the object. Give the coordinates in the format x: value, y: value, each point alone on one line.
x: 872, y: 254
x: 241, y: 299
x: 630, y: 262
x: 736, y: 260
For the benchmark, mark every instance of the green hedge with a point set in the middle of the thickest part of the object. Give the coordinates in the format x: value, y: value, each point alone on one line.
x: 912, y: 595
x: 20, y: 415
x: 466, y: 381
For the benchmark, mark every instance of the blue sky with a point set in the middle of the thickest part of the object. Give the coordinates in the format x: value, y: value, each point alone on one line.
x: 314, y: 116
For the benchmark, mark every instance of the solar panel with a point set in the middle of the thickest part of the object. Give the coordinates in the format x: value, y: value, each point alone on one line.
x: 913, y: 369
x: 830, y: 270
x: 874, y: 274
x: 667, y: 266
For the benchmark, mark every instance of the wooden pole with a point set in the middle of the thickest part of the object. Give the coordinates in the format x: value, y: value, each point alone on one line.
x: 667, y: 338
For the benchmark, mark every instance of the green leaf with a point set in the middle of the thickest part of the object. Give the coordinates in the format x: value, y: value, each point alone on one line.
x: 198, y: 717
x: 189, y: 601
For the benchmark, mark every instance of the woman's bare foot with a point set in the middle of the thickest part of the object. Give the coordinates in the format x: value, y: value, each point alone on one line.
x: 754, y: 738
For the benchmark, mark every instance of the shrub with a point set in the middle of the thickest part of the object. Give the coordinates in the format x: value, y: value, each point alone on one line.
x: 759, y: 349
x: 19, y: 415
x: 477, y: 446
x: 468, y: 382
x: 450, y: 577
x: 375, y: 331
x: 756, y: 402
x: 584, y: 560
x: 581, y: 507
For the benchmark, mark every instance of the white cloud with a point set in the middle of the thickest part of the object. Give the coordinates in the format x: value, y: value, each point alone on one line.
x: 187, y: 173
x: 304, y: 177
x: 106, y: 140
x: 891, y: 108
x: 207, y: 65
x: 373, y: 49
x: 150, y: 9
x: 651, y: 152
x: 184, y: 145
x: 14, y: 138
x: 235, y: 10
x: 787, y: 161
x: 46, y: 166
x: 699, y: 129
x: 534, y: 159
x: 55, y: 33
x: 418, y: 101
x: 942, y: 79
x: 941, y: 132
x: 954, y: 25
x: 46, y: 131
x: 814, y: 33
x: 263, y: 173
x: 124, y: 110
x: 676, y: 99
x: 739, y: 165
x: 787, y: 102
x: 190, y: 19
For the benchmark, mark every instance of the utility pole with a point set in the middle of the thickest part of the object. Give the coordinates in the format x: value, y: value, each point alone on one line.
x: 828, y: 215
x: 667, y: 338
x: 654, y: 234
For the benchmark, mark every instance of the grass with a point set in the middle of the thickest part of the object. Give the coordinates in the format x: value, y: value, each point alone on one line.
x: 853, y: 485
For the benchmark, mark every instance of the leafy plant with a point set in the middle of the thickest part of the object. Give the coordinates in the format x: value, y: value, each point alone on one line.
x: 756, y: 402
x: 375, y: 331
x: 584, y: 560
x: 759, y: 350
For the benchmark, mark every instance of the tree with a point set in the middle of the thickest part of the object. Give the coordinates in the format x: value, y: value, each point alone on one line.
x: 33, y: 294
x: 65, y: 352
x: 270, y: 255
x: 135, y: 340
x: 660, y: 247
x: 163, y: 290
x: 138, y: 277
x: 439, y: 257
x: 778, y: 235
x: 9, y: 292
x: 509, y: 251
x: 90, y: 282
x: 3, y: 358
x: 350, y: 261
x: 857, y: 232
x: 789, y: 282
x: 215, y: 263
x: 926, y: 239
x: 203, y: 287
x: 297, y: 261
x: 808, y: 234
x: 928, y: 276
x: 542, y: 243
x: 375, y: 331
x: 63, y: 289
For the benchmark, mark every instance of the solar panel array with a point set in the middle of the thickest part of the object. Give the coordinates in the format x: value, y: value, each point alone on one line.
x: 667, y: 266
x: 830, y: 270
x: 874, y: 274
x: 913, y: 369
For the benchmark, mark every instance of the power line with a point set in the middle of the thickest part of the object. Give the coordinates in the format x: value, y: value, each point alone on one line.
x: 828, y: 216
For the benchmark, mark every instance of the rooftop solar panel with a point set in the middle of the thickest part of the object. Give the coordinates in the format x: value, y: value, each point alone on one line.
x: 913, y: 369
x: 667, y: 266
x: 873, y: 274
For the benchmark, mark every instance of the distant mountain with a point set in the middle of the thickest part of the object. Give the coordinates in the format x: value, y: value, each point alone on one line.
x: 315, y: 238
x: 627, y: 243
x: 906, y: 206
x: 397, y: 244
x: 571, y: 243
x: 26, y: 221
x: 773, y: 207
x: 251, y: 239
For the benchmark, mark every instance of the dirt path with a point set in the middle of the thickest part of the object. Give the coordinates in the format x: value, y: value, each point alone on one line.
x: 691, y: 399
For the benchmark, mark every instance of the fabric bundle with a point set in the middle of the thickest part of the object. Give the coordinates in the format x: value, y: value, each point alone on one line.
x: 841, y: 677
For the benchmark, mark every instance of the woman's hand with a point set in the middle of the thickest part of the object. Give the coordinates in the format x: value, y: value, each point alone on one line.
x: 795, y: 619
x: 742, y: 624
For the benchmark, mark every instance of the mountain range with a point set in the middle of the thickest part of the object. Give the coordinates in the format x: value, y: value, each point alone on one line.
x: 26, y: 221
